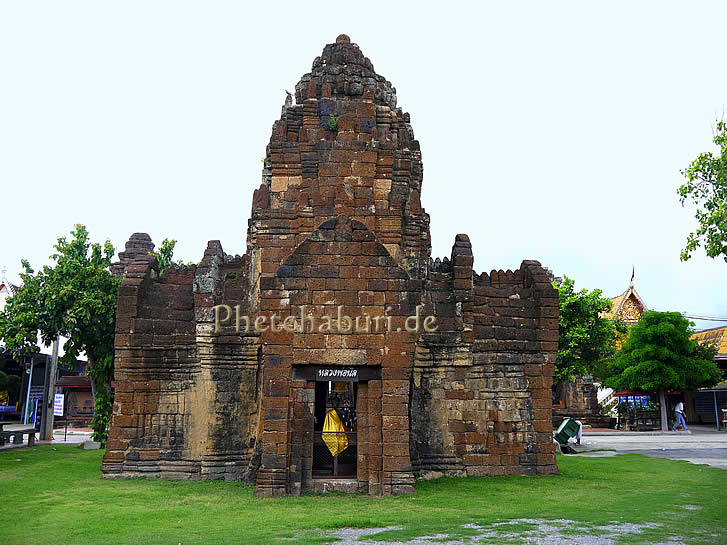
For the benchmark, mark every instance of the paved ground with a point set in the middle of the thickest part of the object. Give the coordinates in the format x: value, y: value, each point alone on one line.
x: 73, y: 436
x: 520, y: 531
x: 704, y: 445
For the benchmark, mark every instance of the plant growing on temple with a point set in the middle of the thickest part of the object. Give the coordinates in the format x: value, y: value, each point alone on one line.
x: 659, y: 355
x: 165, y: 255
x: 332, y: 123
x: 706, y: 187
x: 76, y: 298
x: 586, y: 339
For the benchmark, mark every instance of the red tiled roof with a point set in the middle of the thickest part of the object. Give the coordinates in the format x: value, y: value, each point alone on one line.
x: 73, y: 382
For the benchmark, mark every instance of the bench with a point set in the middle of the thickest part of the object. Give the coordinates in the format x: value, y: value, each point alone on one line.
x: 16, y: 432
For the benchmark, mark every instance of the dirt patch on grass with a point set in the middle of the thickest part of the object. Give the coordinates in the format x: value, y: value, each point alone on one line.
x: 516, y: 532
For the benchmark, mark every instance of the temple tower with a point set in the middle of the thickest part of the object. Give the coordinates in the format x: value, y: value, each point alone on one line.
x: 434, y: 368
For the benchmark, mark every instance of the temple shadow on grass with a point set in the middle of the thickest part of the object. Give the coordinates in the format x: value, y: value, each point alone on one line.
x: 55, y: 495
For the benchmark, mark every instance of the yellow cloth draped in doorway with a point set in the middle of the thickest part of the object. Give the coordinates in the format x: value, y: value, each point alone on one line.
x: 334, y: 435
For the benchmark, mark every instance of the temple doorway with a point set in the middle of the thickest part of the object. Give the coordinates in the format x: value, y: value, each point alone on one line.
x: 335, y: 438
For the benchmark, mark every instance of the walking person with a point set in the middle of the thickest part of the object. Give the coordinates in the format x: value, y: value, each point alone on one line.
x: 679, y: 412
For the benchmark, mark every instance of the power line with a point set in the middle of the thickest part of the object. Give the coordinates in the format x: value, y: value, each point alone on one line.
x: 705, y: 317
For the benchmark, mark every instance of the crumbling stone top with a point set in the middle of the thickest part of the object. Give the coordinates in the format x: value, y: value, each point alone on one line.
x: 139, y: 240
x: 138, y: 246
x: 349, y: 73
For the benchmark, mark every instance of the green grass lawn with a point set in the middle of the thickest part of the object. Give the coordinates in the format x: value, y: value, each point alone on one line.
x: 54, y: 495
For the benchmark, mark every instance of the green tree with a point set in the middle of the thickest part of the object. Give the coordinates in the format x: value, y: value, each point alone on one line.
x: 706, y: 186
x: 75, y: 298
x: 165, y: 255
x: 660, y: 355
x: 586, y: 339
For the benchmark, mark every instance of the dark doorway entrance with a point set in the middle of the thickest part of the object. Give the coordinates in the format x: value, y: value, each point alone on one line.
x: 341, y: 435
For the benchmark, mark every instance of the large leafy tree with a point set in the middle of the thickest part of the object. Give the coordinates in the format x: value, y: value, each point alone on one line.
x: 706, y: 187
x: 74, y: 298
x: 659, y: 355
x: 586, y: 339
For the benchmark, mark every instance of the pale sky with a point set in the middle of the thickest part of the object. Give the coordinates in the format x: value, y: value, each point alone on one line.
x: 549, y: 130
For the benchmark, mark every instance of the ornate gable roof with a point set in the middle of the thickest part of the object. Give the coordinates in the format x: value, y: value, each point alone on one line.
x: 716, y: 336
x: 627, y: 307
x: 12, y: 289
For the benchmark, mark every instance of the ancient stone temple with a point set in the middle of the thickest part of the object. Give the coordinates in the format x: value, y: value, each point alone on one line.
x: 230, y: 369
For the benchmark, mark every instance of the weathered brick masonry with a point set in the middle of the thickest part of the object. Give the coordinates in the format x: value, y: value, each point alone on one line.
x: 336, y: 222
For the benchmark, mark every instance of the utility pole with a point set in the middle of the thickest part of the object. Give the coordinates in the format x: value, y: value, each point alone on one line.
x: 46, y: 429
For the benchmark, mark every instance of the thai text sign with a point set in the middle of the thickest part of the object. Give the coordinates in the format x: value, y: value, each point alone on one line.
x: 337, y: 374
x: 58, y: 405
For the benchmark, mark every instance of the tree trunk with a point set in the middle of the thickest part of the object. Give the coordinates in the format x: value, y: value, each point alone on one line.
x: 92, y: 381
x: 49, y: 390
x: 662, y: 405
